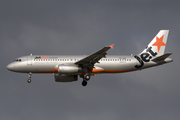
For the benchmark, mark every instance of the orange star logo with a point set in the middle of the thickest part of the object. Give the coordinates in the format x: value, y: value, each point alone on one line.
x: 159, y: 42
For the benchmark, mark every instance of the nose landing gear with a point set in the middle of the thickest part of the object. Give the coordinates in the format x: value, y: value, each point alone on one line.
x: 29, y: 75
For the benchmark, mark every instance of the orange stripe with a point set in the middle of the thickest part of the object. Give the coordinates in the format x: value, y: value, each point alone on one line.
x: 116, y: 71
x: 97, y: 70
x: 93, y: 71
x: 49, y: 71
x: 109, y: 71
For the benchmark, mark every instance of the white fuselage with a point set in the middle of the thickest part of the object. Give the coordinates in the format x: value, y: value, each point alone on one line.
x: 49, y: 64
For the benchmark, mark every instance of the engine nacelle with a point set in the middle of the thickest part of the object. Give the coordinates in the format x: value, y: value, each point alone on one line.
x: 69, y: 69
x: 65, y: 78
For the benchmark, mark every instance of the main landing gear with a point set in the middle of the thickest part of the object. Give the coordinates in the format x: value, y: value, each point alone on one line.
x: 29, y: 75
x: 85, y: 79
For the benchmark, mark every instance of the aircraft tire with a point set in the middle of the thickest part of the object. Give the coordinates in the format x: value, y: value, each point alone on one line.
x: 84, y: 83
x: 29, y: 80
x: 87, y: 77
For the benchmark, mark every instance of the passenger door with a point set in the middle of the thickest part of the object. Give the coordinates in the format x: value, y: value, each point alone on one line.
x: 29, y: 60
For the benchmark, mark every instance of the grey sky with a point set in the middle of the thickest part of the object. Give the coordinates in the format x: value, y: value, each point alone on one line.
x: 82, y: 27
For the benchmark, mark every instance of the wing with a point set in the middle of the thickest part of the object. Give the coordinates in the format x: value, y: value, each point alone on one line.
x: 90, y: 60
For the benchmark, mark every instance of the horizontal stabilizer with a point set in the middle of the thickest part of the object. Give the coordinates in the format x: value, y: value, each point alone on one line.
x: 162, y: 57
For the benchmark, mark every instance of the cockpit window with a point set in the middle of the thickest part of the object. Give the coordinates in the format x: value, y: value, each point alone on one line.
x: 17, y: 60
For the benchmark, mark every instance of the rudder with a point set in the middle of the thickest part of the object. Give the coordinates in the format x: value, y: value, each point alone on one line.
x: 158, y: 43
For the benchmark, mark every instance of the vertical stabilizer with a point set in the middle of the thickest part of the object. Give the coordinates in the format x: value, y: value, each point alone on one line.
x: 158, y: 44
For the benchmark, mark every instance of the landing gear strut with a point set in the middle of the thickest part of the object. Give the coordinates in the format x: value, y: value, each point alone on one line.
x: 29, y: 75
x: 85, y: 79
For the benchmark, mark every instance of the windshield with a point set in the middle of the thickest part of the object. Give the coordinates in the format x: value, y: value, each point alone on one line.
x: 17, y: 60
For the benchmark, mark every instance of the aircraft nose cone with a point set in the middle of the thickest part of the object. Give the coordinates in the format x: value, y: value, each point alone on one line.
x: 10, y: 66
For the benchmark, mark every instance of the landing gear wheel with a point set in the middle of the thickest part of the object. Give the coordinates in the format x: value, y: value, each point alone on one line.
x: 87, y: 77
x: 84, y: 83
x: 29, y: 80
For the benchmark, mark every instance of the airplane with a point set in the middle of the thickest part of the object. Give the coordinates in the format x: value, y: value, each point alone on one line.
x: 68, y: 68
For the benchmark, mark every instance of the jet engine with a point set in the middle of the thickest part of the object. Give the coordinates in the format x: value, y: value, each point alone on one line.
x: 65, y: 78
x: 69, y: 69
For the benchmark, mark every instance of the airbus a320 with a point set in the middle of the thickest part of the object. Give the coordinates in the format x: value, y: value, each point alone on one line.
x: 68, y: 68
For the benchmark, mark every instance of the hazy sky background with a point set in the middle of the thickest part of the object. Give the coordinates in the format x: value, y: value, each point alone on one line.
x: 78, y: 27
